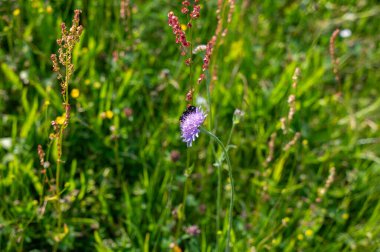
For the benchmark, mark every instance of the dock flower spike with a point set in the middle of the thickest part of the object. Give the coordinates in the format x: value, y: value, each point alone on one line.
x: 190, y: 121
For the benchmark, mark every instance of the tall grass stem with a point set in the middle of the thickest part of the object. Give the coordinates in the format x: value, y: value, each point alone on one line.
x: 231, y: 181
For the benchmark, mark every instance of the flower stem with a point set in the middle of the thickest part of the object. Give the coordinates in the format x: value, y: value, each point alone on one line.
x: 208, y: 81
x: 218, y: 208
x: 219, y: 186
x: 231, y: 181
x: 182, y: 209
x: 58, y: 173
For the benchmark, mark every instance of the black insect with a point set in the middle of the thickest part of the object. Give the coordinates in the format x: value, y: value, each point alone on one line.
x: 189, y: 110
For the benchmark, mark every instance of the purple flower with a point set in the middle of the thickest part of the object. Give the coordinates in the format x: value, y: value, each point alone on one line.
x: 193, y: 230
x: 190, y: 122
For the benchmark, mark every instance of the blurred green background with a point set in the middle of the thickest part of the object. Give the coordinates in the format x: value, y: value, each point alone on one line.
x: 124, y: 170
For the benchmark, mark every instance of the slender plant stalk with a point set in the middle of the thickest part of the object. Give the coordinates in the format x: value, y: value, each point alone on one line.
x: 183, y: 209
x: 229, y: 137
x: 209, y: 101
x: 219, y: 192
x: 59, y: 146
x: 191, y: 59
x: 231, y: 181
x: 60, y: 140
x: 117, y: 159
x: 218, y: 207
x: 219, y: 186
x: 66, y: 45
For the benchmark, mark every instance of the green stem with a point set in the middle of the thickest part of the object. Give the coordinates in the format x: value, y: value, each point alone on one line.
x: 182, y: 210
x: 219, y: 192
x: 219, y: 186
x: 191, y: 60
x: 231, y: 181
x: 59, y: 150
x: 209, y: 101
x: 117, y: 160
x: 229, y: 137
x: 58, y: 171
x: 218, y: 208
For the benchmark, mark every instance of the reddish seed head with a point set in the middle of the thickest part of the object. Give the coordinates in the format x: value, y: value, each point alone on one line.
x: 128, y: 112
x: 193, y: 230
x: 185, y: 10
x: 79, y: 30
x: 177, y: 30
x: 195, y: 13
x: 115, y: 56
x: 189, y: 96
x: 206, y: 59
x: 201, y: 78
x: 41, y: 154
x: 76, y: 15
x: 186, y: 3
x: 175, y: 155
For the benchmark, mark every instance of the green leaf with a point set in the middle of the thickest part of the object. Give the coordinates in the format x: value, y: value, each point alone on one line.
x: 25, y: 130
x: 11, y: 76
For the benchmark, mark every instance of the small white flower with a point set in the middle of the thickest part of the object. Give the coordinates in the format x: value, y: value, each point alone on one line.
x: 346, y: 33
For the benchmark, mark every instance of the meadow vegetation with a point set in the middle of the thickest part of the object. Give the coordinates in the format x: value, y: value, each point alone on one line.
x: 291, y: 90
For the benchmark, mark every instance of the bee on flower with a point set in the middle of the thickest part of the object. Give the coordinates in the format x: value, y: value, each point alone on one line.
x: 190, y: 121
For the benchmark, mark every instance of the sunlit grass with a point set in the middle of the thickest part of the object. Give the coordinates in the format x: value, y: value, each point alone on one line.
x: 124, y: 168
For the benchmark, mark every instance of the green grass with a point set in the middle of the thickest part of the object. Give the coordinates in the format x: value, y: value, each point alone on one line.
x: 120, y: 185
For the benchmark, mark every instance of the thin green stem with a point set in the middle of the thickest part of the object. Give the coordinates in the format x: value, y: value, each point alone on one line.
x: 219, y: 186
x: 191, y: 60
x: 219, y: 190
x: 66, y: 99
x: 218, y: 207
x: 209, y: 102
x: 231, y: 181
x: 59, y: 150
x: 57, y: 182
x: 117, y: 160
x: 182, y: 210
x: 229, y: 137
